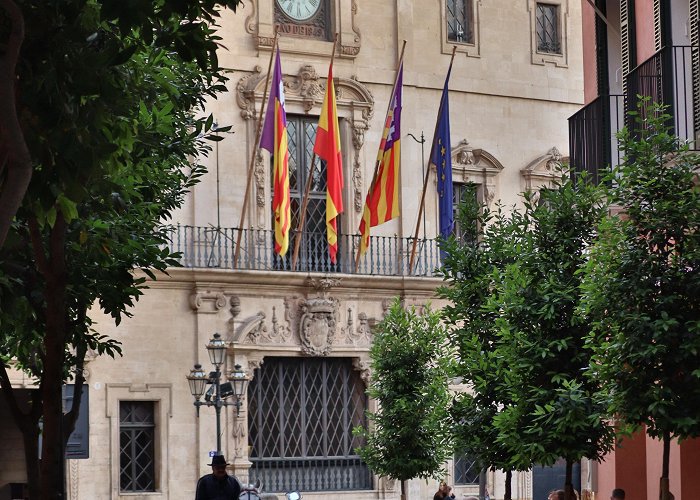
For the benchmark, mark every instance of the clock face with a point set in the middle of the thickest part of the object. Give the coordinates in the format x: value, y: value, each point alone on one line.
x: 299, y: 10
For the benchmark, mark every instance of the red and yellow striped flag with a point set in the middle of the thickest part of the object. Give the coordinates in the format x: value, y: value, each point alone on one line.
x: 382, y: 203
x: 327, y: 147
x: 274, y: 139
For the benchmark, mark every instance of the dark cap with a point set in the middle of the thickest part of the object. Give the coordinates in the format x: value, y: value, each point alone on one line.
x: 218, y: 460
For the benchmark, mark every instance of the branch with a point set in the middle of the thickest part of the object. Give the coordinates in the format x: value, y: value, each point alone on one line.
x: 18, y: 161
x: 42, y: 263
x: 19, y: 416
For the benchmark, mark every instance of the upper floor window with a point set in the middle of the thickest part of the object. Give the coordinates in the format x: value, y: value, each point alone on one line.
x: 464, y: 197
x: 460, y: 21
x: 547, y: 30
x: 137, y: 446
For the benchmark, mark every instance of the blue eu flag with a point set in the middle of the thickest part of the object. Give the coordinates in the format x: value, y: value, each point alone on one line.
x: 442, y: 159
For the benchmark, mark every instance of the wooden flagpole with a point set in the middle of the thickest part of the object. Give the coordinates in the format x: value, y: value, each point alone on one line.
x: 427, y: 176
x: 307, y: 189
x: 256, y: 146
x: 376, y: 165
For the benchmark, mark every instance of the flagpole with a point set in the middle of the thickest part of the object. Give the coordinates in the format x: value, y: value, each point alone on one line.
x: 307, y: 189
x: 376, y: 165
x: 256, y: 146
x: 427, y: 176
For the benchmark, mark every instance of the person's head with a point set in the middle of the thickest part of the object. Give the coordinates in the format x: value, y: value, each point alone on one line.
x: 445, y: 488
x: 618, y: 494
x: 556, y: 495
x: 218, y: 466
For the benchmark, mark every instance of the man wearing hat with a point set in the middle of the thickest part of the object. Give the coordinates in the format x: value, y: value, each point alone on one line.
x: 218, y: 485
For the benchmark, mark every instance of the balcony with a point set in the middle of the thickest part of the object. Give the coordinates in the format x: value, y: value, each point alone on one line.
x: 214, y: 247
x: 667, y: 78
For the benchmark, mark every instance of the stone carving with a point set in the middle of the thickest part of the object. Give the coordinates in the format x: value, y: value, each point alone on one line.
x: 240, y: 439
x: 358, y: 140
x: 235, y: 302
x: 207, y: 302
x: 250, y: 328
x: 477, y: 166
x: 365, y: 368
x: 364, y: 330
x: 463, y: 153
x: 317, y: 325
x: 73, y: 479
x: 246, y: 90
x: 359, y: 335
x: 254, y: 364
x: 251, y: 25
x: 323, y: 284
x: 259, y: 180
x: 281, y: 333
x: 544, y: 170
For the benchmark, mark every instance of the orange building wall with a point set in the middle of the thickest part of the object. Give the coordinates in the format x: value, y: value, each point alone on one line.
x: 590, y: 86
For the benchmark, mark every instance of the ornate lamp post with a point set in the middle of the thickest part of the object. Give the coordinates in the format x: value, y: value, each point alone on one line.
x: 218, y: 393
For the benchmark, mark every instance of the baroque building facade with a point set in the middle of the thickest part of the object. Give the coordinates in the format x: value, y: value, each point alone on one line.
x: 303, y: 336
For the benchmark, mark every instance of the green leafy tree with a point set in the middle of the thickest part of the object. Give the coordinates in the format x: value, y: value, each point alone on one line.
x: 471, y: 264
x: 109, y: 100
x: 411, y: 363
x: 554, y: 411
x: 642, y: 287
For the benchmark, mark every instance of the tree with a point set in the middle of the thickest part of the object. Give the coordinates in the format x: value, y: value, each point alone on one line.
x: 555, y: 412
x: 470, y: 265
x: 411, y: 360
x: 642, y: 287
x: 111, y: 159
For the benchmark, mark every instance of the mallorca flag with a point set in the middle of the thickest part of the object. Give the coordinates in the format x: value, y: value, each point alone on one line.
x: 327, y: 147
x: 274, y: 139
x: 382, y: 203
x: 442, y: 159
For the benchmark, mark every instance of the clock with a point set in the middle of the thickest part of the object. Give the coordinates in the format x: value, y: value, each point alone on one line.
x: 299, y: 10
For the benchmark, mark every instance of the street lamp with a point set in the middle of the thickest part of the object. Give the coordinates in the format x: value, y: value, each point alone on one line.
x: 217, y: 394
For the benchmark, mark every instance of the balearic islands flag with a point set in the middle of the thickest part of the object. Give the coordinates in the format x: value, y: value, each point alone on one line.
x: 274, y: 139
x: 327, y: 147
x: 382, y: 203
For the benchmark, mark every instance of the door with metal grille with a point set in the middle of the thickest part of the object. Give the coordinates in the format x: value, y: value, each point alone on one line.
x: 313, y: 249
x: 136, y: 445
x: 301, y: 412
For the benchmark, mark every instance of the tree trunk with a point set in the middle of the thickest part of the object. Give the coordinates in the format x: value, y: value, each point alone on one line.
x: 30, y: 439
x: 568, y: 482
x: 403, y: 490
x: 508, y: 495
x: 664, y: 486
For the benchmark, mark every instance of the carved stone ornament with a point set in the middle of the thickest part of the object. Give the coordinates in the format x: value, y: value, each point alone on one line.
x: 317, y: 326
x: 545, y: 170
x: 323, y: 284
x: 207, y: 301
x: 477, y: 166
x: 363, y: 366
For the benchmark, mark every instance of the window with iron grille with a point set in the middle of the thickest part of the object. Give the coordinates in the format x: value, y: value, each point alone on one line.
x: 463, y: 194
x: 301, y: 412
x: 313, y: 250
x: 460, y: 21
x: 466, y: 470
x: 547, y: 28
x: 137, y: 446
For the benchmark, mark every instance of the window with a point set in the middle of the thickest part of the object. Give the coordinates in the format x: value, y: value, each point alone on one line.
x: 464, y: 195
x: 548, y: 27
x: 137, y: 446
x: 301, y: 412
x: 466, y: 470
x: 313, y: 250
x: 460, y: 21
x: 548, y: 33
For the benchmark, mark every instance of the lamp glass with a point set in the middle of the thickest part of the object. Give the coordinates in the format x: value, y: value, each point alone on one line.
x: 217, y: 350
x: 239, y: 380
x: 198, y: 380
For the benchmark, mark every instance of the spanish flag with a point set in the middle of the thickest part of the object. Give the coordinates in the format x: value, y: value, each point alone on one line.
x: 382, y: 203
x: 274, y: 139
x: 327, y: 147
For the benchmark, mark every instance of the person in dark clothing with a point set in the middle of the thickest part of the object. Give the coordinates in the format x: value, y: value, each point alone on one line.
x: 218, y: 485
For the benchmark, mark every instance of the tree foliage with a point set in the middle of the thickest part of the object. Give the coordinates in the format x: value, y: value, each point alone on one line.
x: 411, y: 361
x: 642, y: 285
x: 109, y: 97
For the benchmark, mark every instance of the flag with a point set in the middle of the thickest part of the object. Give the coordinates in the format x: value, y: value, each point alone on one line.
x: 327, y: 147
x: 441, y: 158
x: 382, y: 203
x: 274, y: 139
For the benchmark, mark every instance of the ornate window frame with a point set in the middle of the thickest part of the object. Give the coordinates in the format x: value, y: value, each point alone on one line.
x: 470, y: 49
x: 161, y: 395
x: 260, y: 23
x: 544, y: 171
x: 541, y: 58
x: 477, y: 166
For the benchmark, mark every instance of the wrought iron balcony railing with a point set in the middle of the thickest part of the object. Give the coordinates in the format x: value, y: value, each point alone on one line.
x: 214, y: 247
x: 592, y: 136
x: 670, y: 77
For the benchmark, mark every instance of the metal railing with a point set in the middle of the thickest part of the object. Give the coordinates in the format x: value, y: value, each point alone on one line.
x: 311, y: 474
x: 667, y: 78
x: 593, y: 145
x: 214, y: 247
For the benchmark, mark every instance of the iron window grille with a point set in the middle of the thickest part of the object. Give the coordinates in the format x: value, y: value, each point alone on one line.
x: 137, y: 446
x: 313, y: 249
x: 460, y: 21
x: 463, y: 195
x: 301, y: 412
x: 466, y: 470
x: 547, y: 28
